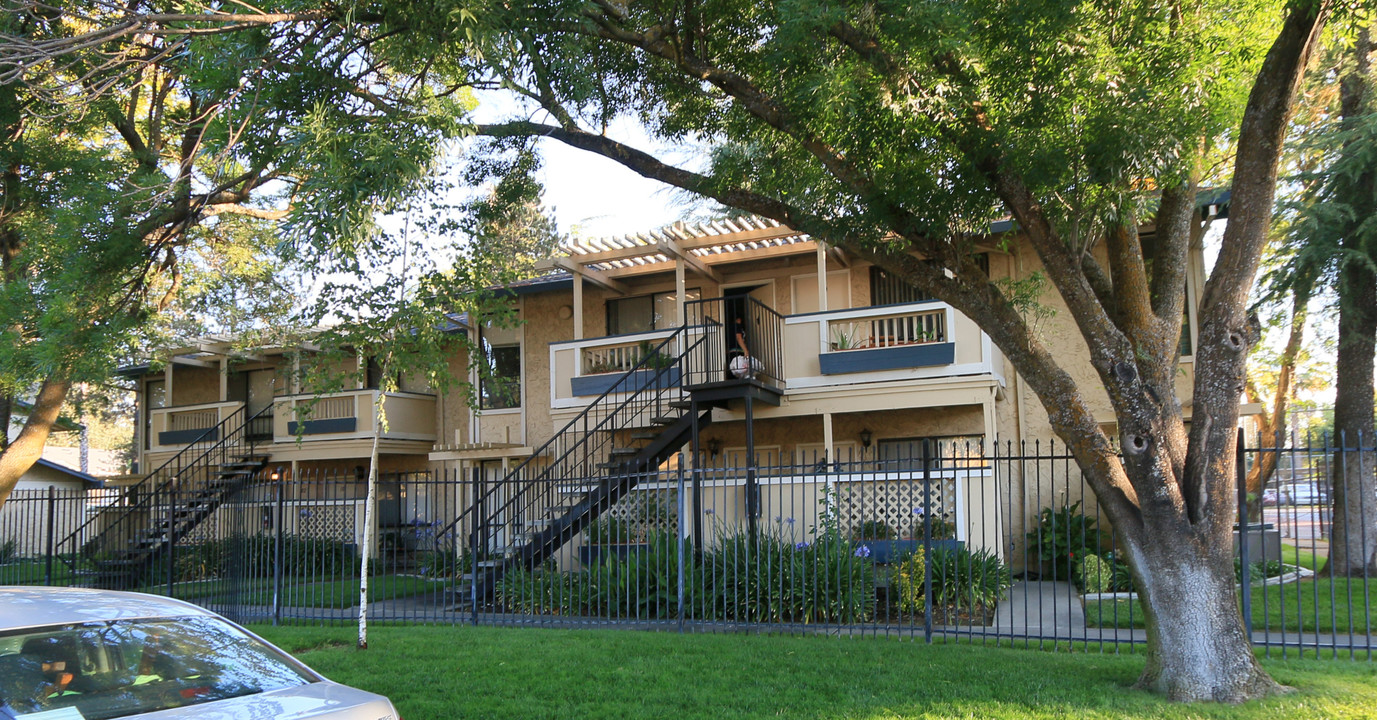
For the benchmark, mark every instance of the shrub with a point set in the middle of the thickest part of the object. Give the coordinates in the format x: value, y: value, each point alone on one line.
x: 906, y: 580
x: 9, y: 551
x: 1260, y: 570
x: 256, y: 556
x: 1096, y: 574
x: 874, y: 530
x: 444, y: 563
x: 1121, y: 579
x: 609, y: 529
x: 966, y: 579
x: 1063, y: 537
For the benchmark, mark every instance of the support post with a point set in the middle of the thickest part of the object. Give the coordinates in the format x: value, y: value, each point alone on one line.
x: 477, y: 504
x: 277, y: 552
x: 1241, y: 477
x: 752, y: 486
x: 927, y: 542
x: 51, y: 539
x: 697, y: 483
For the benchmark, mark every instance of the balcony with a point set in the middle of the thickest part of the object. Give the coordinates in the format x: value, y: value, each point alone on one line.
x: 173, y: 428
x: 584, y: 369
x: 351, y: 414
x: 893, y: 342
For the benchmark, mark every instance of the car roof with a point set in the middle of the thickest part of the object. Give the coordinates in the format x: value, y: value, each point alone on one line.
x: 26, y: 607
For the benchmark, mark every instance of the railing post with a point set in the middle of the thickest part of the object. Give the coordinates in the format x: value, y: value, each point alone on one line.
x: 51, y: 536
x: 277, y: 553
x: 1241, y: 475
x: 476, y: 503
x: 927, y: 542
x: 679, y: 538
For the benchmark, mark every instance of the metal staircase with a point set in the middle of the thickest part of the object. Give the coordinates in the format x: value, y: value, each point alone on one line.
x: 127, y: 542
x: 619, y: 440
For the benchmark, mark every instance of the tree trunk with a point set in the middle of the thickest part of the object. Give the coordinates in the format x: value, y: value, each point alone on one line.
x: 1197, y: 648
x: 1272, y: 422
x: 1353, y: 542
x: 27, y: 448
x: 1353, y: 539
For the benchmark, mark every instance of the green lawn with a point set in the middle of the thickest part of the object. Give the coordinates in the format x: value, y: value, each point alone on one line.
x: 31, y: 572
x: 320, y: 594
x: 462, y: 672
x: 1319, y: 605
x: 1304, y: 557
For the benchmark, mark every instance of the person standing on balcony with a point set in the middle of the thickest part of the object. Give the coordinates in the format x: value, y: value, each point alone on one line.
x: 742, y: 365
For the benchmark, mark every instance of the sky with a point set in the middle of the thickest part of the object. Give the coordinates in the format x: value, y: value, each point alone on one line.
x: 591, y: 196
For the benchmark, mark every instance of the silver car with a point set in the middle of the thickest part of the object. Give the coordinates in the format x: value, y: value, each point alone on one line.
x: 74, y: 654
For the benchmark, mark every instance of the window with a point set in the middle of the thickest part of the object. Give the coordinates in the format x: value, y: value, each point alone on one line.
x: 501, y: 382
x: 645, y: 313
x: 885, y: 289
x: 1148, y: 241
x: 945, y: 452
x: 155, y: 396
x: 131, y: 667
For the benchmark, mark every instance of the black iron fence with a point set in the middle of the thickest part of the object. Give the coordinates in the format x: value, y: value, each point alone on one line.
x: 954, y: 539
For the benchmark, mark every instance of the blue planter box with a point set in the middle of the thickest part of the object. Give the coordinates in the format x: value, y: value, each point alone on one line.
x: 891, y: 358
x: 319, y: 427
x: 590, y: 554
x: 622, y: 382
x: 884, y: 552
x: 184, y: 437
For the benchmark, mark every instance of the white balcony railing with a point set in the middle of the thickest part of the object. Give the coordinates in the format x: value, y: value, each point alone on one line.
x: 173, y: 428
x: 352, y: 414
x: 891, y: 330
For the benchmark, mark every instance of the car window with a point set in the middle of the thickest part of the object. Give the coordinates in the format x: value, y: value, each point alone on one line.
x: 121, y: 668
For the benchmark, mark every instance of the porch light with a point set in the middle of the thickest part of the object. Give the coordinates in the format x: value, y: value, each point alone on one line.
x: 866, y: 437
x: 714, y: 447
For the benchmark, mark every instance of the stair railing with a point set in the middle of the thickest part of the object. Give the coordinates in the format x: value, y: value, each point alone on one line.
x: 126, y: 529
x: 582, y: 452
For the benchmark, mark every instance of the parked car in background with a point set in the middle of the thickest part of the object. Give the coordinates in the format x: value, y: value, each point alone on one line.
x: 74, y: 653
x: 1303, y: 494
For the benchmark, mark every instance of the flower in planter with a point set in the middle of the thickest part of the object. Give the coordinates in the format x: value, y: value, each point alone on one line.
x: 863, y: 551
x: 801, y: 546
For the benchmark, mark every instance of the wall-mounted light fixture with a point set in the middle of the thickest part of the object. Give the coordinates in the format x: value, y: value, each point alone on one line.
x: 714, y: 447
x: 866, y: 437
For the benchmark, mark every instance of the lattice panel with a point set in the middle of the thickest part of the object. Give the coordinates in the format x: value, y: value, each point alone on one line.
x: 328, y: 522
x: 898, y: 504
x: 645, y: 510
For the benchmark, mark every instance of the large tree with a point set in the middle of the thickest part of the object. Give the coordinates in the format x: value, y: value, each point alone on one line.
x: 131, y: 140
x: 898, y: 130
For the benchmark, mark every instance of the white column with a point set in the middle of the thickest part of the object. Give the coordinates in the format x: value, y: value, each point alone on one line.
x: 827, y: 435
x: 224, y: 379
x: 822, y: 277
x: 167, y: 384
x: 578, y: 306
x: 680, y: 292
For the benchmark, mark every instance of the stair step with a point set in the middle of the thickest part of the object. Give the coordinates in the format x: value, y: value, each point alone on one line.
x: 665, y: 419
x: 623, y: 452
x: 681, y: 404
x: 644, y: 435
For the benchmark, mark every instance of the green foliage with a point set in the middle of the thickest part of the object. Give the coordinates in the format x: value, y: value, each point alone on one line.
x: 1063, y: 537
x: 874, y: 530
x: 256, y: 556
x: 609, y: 529
x: 1258, y: 571
x: 968, y: 580
x: 1096, y: 575
x: 907, y: 581
x: 9, y: 551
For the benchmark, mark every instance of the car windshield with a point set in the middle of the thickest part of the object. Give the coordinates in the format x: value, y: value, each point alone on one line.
x: 127, y: 667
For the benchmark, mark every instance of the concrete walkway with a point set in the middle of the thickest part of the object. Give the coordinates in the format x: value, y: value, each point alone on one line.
x: 1041, y: 608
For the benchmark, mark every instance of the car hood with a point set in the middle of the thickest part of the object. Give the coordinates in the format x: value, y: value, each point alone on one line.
x: 324, y: 700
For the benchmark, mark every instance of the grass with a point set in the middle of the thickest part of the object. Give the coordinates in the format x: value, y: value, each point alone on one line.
x: 1306, y: 558
x: 1318, y: 605
x: 320, y: 594
x: 514, y: 674
x: 31, y: 572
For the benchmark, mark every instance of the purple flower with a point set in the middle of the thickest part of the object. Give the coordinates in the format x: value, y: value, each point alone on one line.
x: 801, y: 546
x: 779, y: 519
x: 709, y: 511
x: 863, y: 551
x: 306, y: 512
x: 789, y: 520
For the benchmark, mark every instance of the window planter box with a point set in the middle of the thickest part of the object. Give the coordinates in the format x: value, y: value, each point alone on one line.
x: 890, y: 358
x: 594, y: 385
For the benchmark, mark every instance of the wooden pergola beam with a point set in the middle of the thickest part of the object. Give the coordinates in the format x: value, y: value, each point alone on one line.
x: 594, y: 276
x: 672, y: 249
